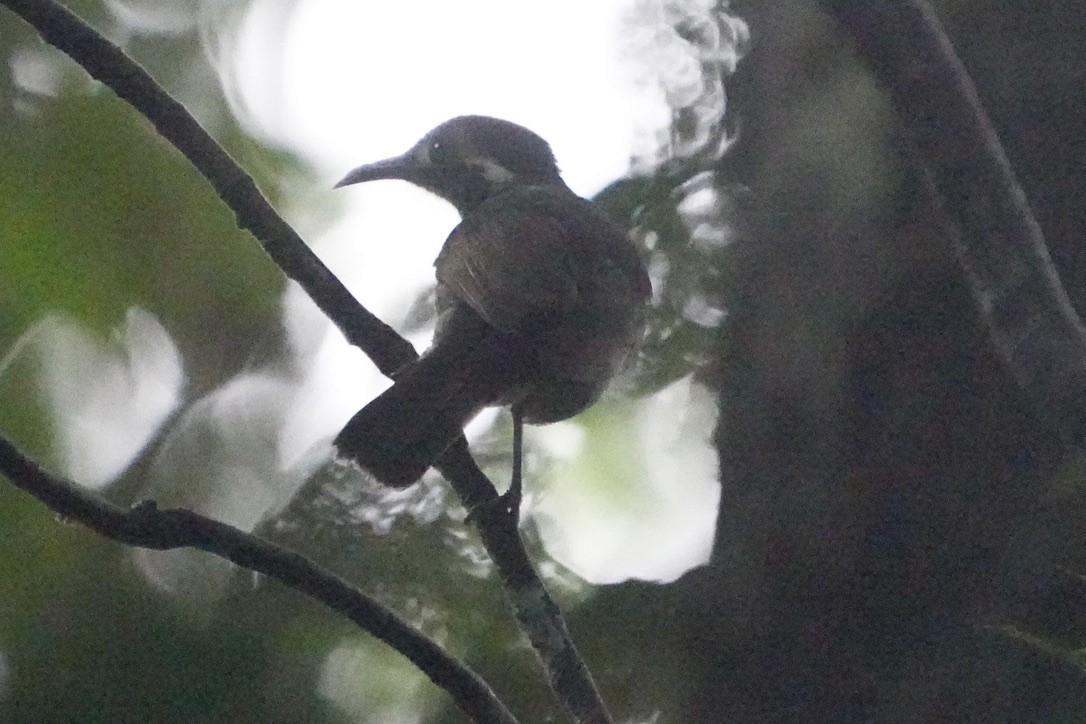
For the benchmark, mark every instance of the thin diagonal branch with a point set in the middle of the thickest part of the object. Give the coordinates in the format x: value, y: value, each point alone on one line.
x: 536, y: 612
x: 1001, y: 248
x: 147, y: 527
x: 107, y: 63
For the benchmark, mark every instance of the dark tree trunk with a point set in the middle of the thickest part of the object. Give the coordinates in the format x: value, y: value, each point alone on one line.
x: 887, y: 514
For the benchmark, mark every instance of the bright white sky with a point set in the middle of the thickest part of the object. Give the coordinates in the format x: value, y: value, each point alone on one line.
x: 360, y: 81
x: 364, y: 80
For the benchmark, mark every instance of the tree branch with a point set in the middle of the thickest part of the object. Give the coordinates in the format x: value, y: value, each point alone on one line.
x: 107, y: 63
x: 1001, y: 248
x: 536, y: 612
x: 148, y: 527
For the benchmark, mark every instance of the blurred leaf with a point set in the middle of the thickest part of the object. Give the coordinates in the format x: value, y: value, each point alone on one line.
x: 689, y: 276
x: 101, y: 214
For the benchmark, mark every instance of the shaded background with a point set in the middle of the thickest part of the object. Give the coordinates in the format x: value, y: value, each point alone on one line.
x: 892, y: 514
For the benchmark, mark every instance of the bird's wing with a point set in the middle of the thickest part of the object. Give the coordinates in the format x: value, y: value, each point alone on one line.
x: 512, y: 266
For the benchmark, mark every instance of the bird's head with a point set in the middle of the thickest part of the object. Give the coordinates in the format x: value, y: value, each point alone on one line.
x: 467, y: 159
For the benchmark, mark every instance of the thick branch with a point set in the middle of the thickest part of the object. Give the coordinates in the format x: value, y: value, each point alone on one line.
x: 537, y: 613
x: 1001, y: 248
x: 148, y: 527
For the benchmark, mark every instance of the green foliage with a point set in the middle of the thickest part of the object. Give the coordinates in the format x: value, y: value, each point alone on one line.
x: 102, y: 215
x: 98, y: 214
x: 689, y: 275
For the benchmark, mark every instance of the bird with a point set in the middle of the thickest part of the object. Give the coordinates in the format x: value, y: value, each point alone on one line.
x: 540, y: 299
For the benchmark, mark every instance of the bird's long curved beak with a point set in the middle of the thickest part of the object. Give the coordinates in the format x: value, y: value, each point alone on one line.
x: 397, y: 167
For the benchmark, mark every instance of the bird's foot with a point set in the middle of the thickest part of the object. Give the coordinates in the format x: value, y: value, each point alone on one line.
x: 507, y: 504
x: 510, y: 500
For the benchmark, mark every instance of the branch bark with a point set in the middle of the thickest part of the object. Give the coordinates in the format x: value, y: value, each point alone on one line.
x: 532, y: 606
x: 147, y: 527
x: 1001, y: 248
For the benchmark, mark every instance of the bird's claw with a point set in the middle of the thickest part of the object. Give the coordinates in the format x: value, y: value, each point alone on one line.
x: 510, y: 501
x: 506, y: 504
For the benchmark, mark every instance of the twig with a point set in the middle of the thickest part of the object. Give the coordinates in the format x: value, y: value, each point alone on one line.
x: 537, y: 613
x: 148, y: 527
x: 1001, y: 248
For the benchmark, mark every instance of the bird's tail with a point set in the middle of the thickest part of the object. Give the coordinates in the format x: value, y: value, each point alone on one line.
x: 403, y: 431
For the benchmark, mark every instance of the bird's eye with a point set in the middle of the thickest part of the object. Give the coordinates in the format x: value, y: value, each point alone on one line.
x: 438, y: 152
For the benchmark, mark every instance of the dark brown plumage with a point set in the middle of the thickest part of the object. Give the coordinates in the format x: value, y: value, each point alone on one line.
x: 540, y: 298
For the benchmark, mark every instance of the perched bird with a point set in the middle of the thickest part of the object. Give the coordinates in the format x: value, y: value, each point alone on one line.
x: 540, y: 298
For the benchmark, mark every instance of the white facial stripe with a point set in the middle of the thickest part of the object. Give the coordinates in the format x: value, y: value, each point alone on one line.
x: 493, y: 172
